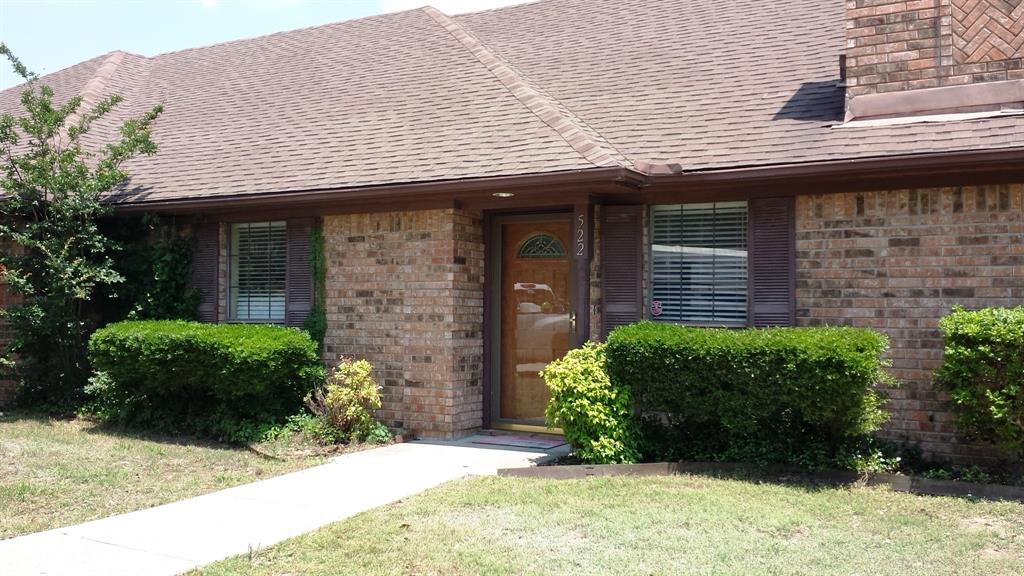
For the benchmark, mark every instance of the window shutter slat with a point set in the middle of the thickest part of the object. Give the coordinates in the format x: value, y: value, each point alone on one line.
x: 621, y: 266
x: 299, y: 282
x: 773, y: 245
x: 205, y: 268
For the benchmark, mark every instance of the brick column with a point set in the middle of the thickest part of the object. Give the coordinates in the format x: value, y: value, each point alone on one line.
x: 405, y: 291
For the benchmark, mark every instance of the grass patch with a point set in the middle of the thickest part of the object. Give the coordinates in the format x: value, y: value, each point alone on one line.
x: 667, y: 525
x: 60, y: 472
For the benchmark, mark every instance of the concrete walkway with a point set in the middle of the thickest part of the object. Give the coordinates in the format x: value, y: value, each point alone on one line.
x: 177, y: 537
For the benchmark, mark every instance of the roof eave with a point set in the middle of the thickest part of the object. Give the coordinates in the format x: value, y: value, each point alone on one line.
x: 466, y: 189
x: 975, y: 167
x: 855, y: 174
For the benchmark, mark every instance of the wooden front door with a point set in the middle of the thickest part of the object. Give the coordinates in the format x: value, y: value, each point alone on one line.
x: 536, y: 318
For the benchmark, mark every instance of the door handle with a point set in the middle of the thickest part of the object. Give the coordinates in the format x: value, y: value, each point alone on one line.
x: 572, y: 322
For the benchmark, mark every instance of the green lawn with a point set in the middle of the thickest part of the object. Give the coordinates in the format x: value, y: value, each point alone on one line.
x: 644, y: 526
x: 57, y: 472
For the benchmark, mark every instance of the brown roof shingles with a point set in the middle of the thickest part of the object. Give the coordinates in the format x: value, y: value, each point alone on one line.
x: 550, y: 86
x: 66, y: 83
x: 710, y: 84
x: 372, y: 101
x: 590, y: 144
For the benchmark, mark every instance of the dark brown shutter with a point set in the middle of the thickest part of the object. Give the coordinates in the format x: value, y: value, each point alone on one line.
x: 772, y: 262
x: 622, y: 299
x: 299, y: 277
x: 205, y: 269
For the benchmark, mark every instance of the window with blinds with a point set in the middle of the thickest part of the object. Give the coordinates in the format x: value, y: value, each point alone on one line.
x: 699, y: 263
x: 258, y: 266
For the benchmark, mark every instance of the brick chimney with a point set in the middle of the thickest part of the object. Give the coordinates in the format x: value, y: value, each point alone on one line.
x: 902, y: 46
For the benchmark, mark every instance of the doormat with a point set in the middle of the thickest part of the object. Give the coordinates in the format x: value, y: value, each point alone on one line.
x: 535, y: 442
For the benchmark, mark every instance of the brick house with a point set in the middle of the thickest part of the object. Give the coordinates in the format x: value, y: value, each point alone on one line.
x: 497, y: 187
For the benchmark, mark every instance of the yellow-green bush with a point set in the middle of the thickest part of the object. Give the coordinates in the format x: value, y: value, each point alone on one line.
x: 347, y: 400
x: 595, y: 415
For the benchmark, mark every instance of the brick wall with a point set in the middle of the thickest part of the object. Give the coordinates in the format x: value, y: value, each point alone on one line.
x: 909, y: 44
x: 899, y: 260
x: 405, y: 291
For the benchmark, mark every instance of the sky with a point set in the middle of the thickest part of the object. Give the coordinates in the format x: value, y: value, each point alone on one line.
x: 49, y: 35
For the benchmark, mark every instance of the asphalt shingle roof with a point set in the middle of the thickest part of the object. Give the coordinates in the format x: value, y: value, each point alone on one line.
x: 551, y: 86
x: 710, y: 84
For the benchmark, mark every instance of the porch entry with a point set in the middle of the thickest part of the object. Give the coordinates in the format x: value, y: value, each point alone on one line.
x: 535, y: 313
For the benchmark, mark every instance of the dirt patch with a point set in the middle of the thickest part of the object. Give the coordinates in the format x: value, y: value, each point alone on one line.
x: 992, y: 553
x: 9, y: 452
x: 988, y: 524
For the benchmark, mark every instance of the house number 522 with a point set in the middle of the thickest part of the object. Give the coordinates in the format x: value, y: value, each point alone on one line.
x: 581, y: 230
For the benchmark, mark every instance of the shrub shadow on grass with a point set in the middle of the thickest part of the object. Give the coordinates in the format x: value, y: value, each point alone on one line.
x: 286, y: 449
x: 809, y: 481
x: 569, y: 467
x: 128, y: 432
x: 812, y: 481
x: 90, y: 426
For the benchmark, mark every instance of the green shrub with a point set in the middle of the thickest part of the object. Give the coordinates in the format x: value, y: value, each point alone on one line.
x: 229, y: 381
x: 347, y: 400
x: 595, y: 415
x: 983, y: 373
x: 378, y: 434
x: 780, y: 395
x: 309, y: 428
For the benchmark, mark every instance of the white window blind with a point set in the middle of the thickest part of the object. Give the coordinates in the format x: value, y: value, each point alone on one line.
x: 258, y: 255
x: 699, y: 262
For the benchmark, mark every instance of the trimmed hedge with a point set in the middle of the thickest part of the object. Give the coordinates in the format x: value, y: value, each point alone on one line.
x: 222, y: 380
x: 983, y: 373
x: 782, y: 395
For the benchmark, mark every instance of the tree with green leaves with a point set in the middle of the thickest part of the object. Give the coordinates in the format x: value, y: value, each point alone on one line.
x: 52, y: 188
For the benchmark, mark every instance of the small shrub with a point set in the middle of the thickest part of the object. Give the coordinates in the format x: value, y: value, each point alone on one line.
x: 229, y: 381
x: 378, y: 434
x: 781, y: 395
x: 983, y: 373
x: 939, y: 474
x: 868, y: 455
x: 308, y: 427
x: 973, y: 474
x: 595, y: 415
x: 347, y: 400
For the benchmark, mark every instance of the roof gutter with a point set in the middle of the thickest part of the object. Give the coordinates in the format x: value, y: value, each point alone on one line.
x: 417, y: 191
x: 887, y: 172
